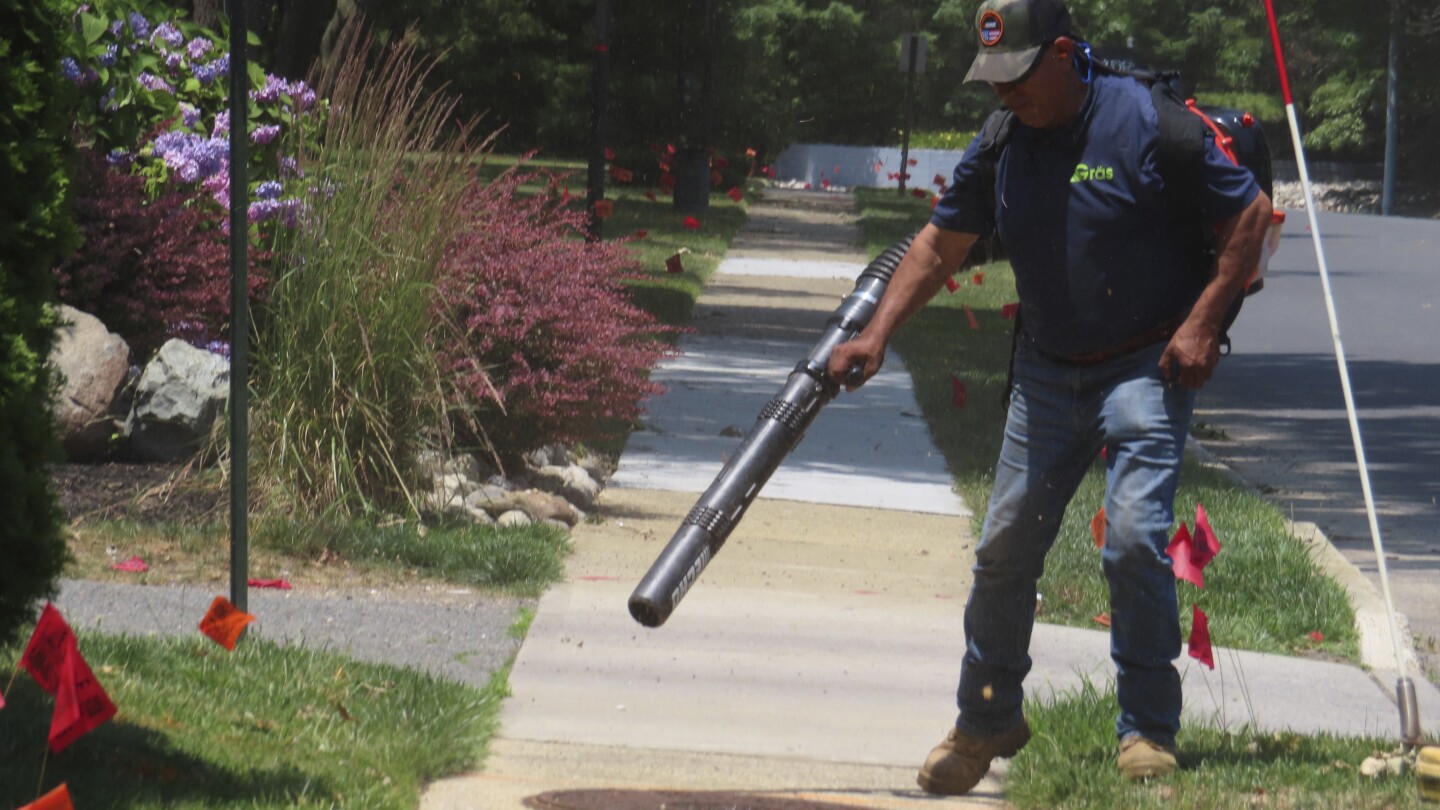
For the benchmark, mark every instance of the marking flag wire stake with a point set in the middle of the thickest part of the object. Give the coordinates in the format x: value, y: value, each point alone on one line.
x: 1409, y: 719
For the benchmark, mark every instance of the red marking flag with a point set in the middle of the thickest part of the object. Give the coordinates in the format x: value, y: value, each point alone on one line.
x: 81, y: 704
x: 750, y: 153
x: 224, y: 622
x: 951, y: 284
x: 691, y: 223
x: 279, y: 584
x: 1009, y: 311
x: 620, y: 175
x: 1316, y: 637
x: 959, y: 394
x: 970, y: 316
x: 1103, y: 619
x: 609, y: 153
x: 716, y: 179
x: 134, y: 565
x: 604, y: 208
x: 1200, y: 637
x: 1206, y: 545
x: 914, y: 162
x: 57, y: 799
x: 918, y: 192
x: 667, y: 182
x: 1097, y: 528
x: 720, y: 163
x: 977, y: 279
x: 650, y: 194
x: 1180, y: 557
x: 940, y: 180
x: 641, y: 234
x: 673, y: 265
x: 46, y: 650
x: 735, y: 194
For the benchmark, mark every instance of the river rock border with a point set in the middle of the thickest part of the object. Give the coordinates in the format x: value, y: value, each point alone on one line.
x: 557, y: 486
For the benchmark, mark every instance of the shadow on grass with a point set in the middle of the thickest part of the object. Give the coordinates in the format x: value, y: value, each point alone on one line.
x: 121, y: 765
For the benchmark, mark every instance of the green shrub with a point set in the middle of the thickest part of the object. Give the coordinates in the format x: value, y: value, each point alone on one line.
x: 34, y: 232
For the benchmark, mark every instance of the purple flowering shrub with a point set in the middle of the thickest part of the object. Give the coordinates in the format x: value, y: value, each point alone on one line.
x: 548, y: 325
x: 152, y: 92
x: 151, y: 270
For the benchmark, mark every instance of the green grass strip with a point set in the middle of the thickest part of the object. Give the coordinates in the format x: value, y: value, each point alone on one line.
x: 263, y: 726
x: 1070, y: 763
x: 1264, y: 592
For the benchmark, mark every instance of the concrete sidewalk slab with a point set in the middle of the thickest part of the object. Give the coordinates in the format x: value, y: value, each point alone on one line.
x: 718, y: 386
x: 791, y: 268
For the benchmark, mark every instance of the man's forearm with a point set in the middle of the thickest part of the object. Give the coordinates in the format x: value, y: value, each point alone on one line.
x: 1237, y: 250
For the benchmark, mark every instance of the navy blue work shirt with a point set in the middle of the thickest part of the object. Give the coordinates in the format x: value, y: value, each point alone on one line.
x: 1081, y: 210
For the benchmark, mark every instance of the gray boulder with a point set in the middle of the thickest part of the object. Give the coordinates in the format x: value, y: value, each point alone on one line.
x: 93, y: 363
x: 181, y: 394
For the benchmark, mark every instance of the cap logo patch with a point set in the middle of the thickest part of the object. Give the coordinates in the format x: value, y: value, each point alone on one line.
x: 992, y: 28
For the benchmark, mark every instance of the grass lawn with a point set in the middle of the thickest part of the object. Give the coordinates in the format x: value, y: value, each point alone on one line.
x: 263, y: 726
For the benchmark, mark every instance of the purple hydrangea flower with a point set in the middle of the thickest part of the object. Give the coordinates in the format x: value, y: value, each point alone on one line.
x: 154, y: 83
x: 116, y: 26
x: 173, y: 61
x: 108, y: 58
x: 189, y: 114
x: 269, y: 190
x: 306, y: 99
x: 270, y: 93
x: 70, y: 69
x: 222, y: 65
x: 107, y: 102
x: 265, y: 134
x: 205, y: 74
x: 168, y: 34
x: 290, y: 167
x: 139, y: 26
x: 198, y: 47
x: 220, y: 347
x: 119, y: 157
x: 192, y: 157
x: 222, y: 124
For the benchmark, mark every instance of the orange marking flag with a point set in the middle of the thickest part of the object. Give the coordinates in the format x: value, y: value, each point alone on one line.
x: 604, y: 208
x: 1097, y: 528
x: 81, y: 704
x: 1009, y: 311
x: 224, y: 622
x: 970, y: 316
x: 57, y: 799
x: 1200, y: 637
x: 45, y: 653
x: 977, y: 279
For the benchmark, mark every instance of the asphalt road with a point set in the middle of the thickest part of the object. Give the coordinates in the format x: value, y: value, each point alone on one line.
x: 1278, y: 400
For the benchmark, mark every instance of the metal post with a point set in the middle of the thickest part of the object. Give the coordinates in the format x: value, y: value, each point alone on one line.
x: 909, y: 108
x: 1387, y: 194
x: 599, y: 96
x: 239, y: 309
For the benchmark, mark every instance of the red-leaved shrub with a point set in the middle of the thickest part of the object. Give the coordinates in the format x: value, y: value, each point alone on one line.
x: 150, y: 270
x: 548, y: 326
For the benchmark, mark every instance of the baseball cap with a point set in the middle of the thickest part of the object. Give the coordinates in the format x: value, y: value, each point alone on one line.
x: 1012, y: 34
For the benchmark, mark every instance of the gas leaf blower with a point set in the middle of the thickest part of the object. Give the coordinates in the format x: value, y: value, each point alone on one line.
x: 779, y: 428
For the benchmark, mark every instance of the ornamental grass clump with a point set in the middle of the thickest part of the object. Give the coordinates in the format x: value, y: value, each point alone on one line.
x: 346, y: 381
x: 546, y: 344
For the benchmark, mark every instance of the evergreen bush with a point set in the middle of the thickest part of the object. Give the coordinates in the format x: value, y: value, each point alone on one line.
x: 34, y: 232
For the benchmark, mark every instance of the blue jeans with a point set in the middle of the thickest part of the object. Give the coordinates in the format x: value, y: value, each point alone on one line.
x: 1060, y: 417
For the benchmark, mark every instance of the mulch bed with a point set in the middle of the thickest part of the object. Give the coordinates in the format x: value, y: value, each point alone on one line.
x: 146, y: 493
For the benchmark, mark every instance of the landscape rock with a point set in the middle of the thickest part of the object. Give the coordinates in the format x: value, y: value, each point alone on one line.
x: 94, y: 363
x: 181, y: 394
x: 514, y: 518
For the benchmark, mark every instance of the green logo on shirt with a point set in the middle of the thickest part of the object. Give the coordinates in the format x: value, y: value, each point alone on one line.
x: 1083, y: 173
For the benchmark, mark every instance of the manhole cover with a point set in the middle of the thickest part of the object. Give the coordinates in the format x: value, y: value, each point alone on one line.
x: 605, y: 799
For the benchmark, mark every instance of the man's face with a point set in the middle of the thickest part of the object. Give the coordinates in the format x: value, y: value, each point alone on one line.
x: 1041, y: 99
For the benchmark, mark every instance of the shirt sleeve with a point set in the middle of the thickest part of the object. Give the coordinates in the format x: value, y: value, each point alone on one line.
x: 967, y: 206
x: 1228, y: 188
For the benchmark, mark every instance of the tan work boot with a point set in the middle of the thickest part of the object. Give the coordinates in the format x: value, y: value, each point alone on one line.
x: 957, y: 764
x: 1142, y: 759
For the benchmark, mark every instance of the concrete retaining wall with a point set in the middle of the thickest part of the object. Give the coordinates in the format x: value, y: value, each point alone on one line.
x: 862, y: 165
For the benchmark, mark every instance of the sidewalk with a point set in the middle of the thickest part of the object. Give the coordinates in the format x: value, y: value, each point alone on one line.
x: 816, y: 659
